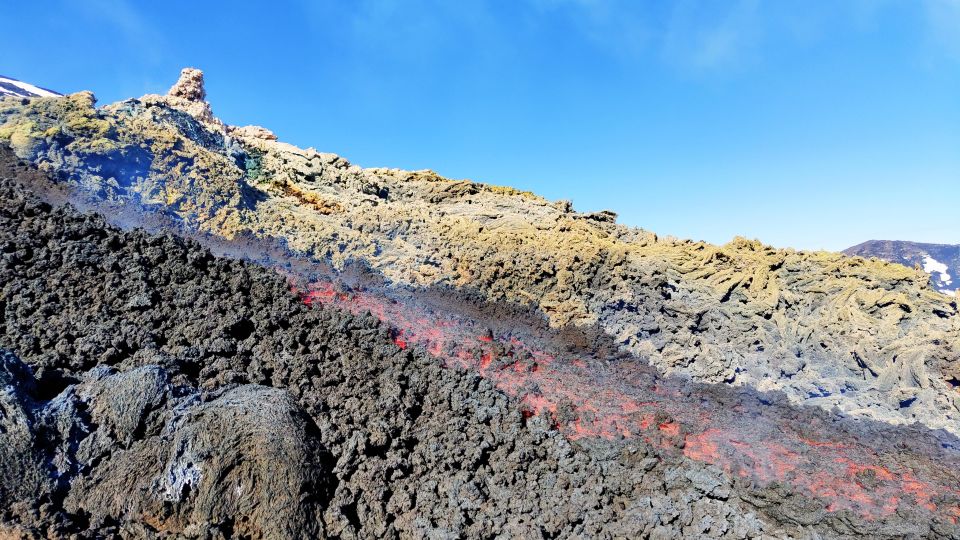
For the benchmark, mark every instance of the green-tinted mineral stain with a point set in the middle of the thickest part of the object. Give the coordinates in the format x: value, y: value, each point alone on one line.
x: 253, y: 166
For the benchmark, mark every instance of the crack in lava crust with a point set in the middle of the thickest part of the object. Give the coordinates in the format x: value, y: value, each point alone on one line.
x: 868, y: 468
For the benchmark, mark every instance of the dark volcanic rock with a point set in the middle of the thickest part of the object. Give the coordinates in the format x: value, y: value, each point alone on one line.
x: 129, y: 447
x: 21, y: 464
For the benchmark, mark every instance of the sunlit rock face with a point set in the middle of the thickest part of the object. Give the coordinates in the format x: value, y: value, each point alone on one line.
x: 189, y: 86
x: 940, y: 261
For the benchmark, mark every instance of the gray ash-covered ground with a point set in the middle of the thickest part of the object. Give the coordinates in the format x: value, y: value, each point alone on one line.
x: 152, y: 389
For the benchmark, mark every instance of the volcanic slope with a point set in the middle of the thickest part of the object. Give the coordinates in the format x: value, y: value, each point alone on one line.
x: 868, y: 337
x: 158, y: 390
x: 152, y: 389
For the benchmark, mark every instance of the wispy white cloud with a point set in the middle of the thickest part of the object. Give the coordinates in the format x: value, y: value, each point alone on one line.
x: 709, y: 37
x: 703, y: 39
x: 687, y: 34
x: 943, y: 21
x: 623, y: 27
x: 403, y: 26
x: 694, y: 36
x: 132, y: 27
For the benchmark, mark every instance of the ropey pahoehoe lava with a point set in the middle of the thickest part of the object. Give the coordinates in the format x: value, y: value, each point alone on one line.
x: 225, y: 335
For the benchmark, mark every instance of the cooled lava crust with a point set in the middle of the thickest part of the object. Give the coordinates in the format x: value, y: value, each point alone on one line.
x: 153, y: 389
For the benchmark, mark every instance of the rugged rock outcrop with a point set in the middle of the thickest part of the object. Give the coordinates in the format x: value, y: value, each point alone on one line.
x: 189, y: 86
x: 189, y: 95
x: 868, y: 337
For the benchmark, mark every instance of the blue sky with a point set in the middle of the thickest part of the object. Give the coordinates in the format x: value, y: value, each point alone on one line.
x: 804, y: 124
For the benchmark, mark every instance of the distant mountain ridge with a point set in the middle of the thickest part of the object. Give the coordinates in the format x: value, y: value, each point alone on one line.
x: 941, y: 261
x: 13, y: 87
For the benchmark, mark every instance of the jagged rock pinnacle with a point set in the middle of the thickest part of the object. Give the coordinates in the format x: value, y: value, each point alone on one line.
x: 188, y: 95
x: 189, y: 86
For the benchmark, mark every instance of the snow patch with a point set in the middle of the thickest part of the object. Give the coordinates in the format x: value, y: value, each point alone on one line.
x: 931, y: 265
x: 28, y: 88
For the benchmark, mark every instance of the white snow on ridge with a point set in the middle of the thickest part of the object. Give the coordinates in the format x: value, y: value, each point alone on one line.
x: 931, y: 265
x: 26, y: 87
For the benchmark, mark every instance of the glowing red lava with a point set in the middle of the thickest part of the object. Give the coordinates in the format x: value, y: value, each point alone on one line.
x: 586, y: 397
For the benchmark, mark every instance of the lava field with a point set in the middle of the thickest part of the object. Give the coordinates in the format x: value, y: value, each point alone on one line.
x: 394, y: 444
x: 196, y: 369
x: 871, y: 470
x: 400, y: 416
